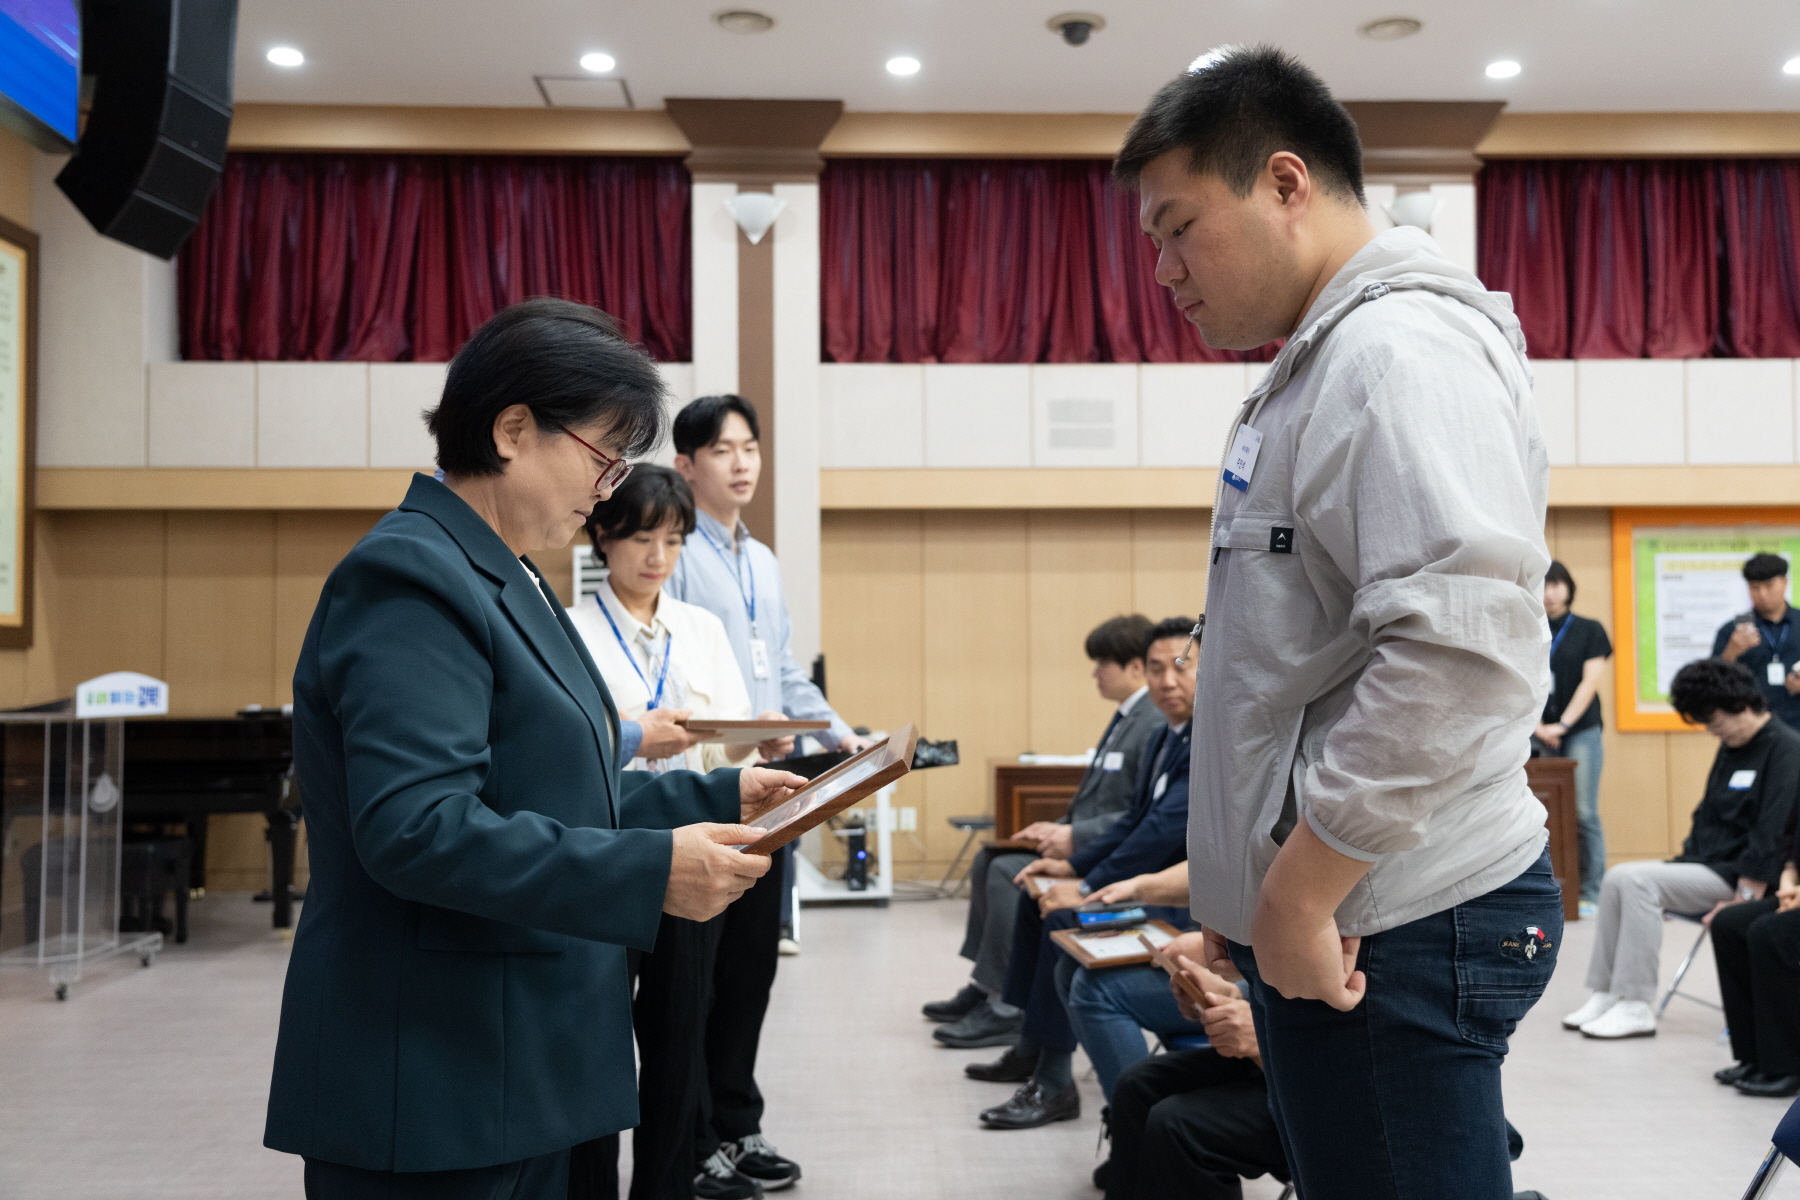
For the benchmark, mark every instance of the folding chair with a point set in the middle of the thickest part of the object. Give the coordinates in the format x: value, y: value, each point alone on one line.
x: 1682, y: 970
x: 974, y: 827
x: 1786, y: 1145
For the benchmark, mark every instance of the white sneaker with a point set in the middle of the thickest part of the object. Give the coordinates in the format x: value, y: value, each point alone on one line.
x: 1626, y: 1019
x: 787, y: 947
x: 1597, y: 1005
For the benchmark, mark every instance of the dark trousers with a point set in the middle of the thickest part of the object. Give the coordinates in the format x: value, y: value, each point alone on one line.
x: 1031, y: 976
x: 1190, y: 1124
x: 1757, y: 951
x: 542, y: 1178
x: 1400, y: 1096
x: 743, y: 973
x: 993, y: 900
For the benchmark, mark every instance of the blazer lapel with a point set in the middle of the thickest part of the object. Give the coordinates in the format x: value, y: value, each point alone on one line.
x: 537, y: 614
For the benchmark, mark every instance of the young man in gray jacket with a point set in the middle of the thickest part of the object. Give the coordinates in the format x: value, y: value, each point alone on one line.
x: 1375, y: 648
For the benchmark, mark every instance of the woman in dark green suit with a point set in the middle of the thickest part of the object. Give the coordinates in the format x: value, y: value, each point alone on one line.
x: 456, y: 1013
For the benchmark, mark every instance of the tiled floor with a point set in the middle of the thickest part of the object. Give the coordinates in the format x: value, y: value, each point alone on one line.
x: 150, y: 1084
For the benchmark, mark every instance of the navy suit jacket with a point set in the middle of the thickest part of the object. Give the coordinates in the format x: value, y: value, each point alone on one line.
x: 457, y: 994
x: 1153, y: 835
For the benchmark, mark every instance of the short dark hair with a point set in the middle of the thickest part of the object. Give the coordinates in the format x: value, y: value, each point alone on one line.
x: 569, y: 363
x: 700, y: 423
x: 1762, y: 567
x: 1233, y: 113
x: 1560, y: 574
x: 648, y: 499
x: 1712, y: 685
x: 1118, y: 640
x: 1168, y: 627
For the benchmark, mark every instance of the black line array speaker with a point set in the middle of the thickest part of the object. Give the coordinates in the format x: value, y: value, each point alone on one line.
x: 154, y: 143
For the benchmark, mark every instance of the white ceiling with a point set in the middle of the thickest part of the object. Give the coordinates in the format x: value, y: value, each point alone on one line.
x: 997, y: 56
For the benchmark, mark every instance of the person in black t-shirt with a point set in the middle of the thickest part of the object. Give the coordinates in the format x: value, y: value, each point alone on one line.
x: 1756, y: 947
x: 1767, y: 638
x: 1571, y: 727
x: 1734, y: 850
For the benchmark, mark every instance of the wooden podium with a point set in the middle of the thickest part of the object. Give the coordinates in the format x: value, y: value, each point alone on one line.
x: 1024, y: 794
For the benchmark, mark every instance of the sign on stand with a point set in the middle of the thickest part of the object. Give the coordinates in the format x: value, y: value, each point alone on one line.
x: 122, y: 694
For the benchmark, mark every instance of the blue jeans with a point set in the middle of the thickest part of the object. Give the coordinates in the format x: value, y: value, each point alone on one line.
x: 1399, y: 1098
x: 1111, y: 1008
x: 1588, y: 751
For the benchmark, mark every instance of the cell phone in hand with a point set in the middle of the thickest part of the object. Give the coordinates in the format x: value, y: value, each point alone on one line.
x: 1106, y: 919
x: 1183, y: 980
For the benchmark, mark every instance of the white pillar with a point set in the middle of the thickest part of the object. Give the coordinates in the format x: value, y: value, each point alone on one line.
x: 715, y: 290
x: 797, y: 349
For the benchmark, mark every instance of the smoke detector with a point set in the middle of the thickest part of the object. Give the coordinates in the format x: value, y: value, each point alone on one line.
x: 743, y: 20
x: 1075, y: 27
x: 1390, y: 29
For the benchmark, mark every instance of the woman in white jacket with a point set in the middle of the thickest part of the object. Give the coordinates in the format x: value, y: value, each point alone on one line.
x: 656, y: 652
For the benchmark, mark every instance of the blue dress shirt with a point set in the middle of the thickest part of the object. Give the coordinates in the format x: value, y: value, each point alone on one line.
x: 728, y: 580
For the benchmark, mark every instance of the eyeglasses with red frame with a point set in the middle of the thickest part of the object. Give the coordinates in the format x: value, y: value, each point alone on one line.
x: 616, y: 468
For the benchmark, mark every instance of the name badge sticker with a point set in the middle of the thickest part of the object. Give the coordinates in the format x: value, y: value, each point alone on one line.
x: 1113, y: 761
x: 759, y: 658
x: 1240, y: 464
x: 1777, y: 674
x: 1741, y: 780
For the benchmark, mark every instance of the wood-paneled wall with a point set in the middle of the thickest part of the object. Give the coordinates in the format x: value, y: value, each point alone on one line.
x: 971, y: 623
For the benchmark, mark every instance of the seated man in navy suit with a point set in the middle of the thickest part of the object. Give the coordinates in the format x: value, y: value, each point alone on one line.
x: 1151, y: 837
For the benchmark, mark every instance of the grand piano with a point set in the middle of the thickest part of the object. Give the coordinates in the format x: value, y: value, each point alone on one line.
x: 185, y: 770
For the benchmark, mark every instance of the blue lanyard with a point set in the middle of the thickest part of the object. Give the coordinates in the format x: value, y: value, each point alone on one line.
x: 737, y: 576
x: 667, y: 646
x: 1561, y: 633
x: 1775, y: 643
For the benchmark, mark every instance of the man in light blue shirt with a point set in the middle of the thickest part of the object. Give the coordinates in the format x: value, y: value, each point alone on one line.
x: 729, y: 573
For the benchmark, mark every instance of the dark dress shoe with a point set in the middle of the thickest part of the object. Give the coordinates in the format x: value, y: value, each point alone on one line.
x: 1031, y: 1106
x: 1732, y: 1074
x: 956, y: 1007
x: 983, y: 1027
x: 1011, y: 1067
x: 1758, y: 1084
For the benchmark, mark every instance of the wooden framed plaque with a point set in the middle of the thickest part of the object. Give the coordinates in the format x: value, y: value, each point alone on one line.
x: 1172, y: 969
x: 18, y: 429
x: 1114, y: 947
x: 856, y: 778
x: 748, y: 733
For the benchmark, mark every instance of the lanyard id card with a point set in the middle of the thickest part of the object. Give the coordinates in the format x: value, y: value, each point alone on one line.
x: 1240, y: 464
x: 1777, y: 673
x: 759, y: 657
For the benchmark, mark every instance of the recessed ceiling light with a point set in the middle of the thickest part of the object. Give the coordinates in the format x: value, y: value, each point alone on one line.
x: 598, y: 63
x: 903, y: 66
x: 1506, y: 68
x: 286, y: 56
x: 1391, y: 29
x: 743, y: 20
x: 1791, y: 66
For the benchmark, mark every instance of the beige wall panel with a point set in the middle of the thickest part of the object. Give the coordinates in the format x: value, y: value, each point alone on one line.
x: 220, y: 644
x: 977, y: 654
x: 15, y: 179
x: 106, y: 602
x: 1690, y: 757
x: 307, y: 546
x: 1080, y: 568
x: 872, y: 594
x: 1168, y: 561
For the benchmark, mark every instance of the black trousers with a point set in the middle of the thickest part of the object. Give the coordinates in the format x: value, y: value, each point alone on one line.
x: 743, y: 973
x: 1190, y: 1124
x: 541, y: 1178
x: 674, y: 994
x: 1757, y: 951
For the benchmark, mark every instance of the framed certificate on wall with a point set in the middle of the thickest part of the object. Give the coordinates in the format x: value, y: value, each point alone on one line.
x: 1677, y: 577
x: 18, y: 429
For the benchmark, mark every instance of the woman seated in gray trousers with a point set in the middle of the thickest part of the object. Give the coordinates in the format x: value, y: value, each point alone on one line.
x: 1734, y: 850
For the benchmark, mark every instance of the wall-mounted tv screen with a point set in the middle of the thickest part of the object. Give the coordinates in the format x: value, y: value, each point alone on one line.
x: 40, y: 69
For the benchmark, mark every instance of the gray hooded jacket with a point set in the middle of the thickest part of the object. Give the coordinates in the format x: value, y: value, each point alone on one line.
x: 1376, y: 652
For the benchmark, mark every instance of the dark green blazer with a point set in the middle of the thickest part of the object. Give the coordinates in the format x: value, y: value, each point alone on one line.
x: 457, y: 994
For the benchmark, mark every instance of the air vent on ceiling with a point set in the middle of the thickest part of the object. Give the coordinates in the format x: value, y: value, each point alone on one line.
x: 583, y: 91
x: 1391, y: 29
x: 1080, y: 424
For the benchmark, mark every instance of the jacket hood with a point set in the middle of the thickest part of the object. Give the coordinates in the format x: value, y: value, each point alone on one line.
x: 1402, y: 258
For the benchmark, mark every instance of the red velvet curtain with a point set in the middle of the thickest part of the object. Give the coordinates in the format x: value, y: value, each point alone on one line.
x: 1623, y: 258
x: 993, y: 260
x: 397, y: 257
